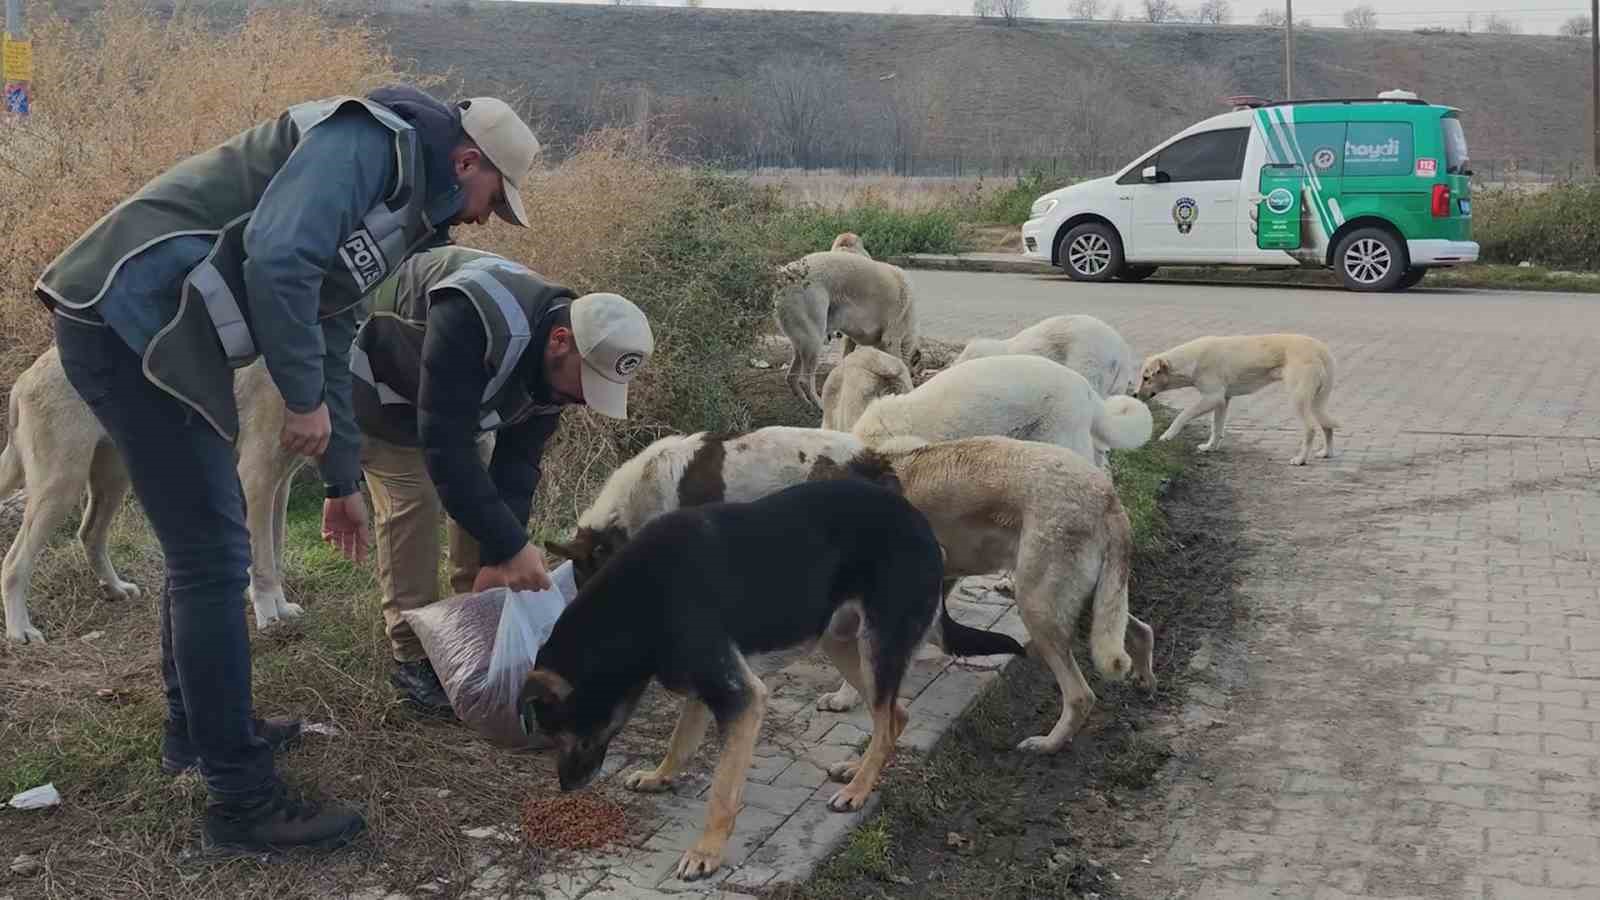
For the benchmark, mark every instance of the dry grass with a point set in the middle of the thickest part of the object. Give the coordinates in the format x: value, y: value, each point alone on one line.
x: 898, y: 193
x: 124, y: 96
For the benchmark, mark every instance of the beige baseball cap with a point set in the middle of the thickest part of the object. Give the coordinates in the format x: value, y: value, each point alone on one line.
x: 510, y: 145
x: 615, y: 341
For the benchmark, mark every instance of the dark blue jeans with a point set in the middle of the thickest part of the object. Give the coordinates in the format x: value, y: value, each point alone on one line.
x: 187, y: 481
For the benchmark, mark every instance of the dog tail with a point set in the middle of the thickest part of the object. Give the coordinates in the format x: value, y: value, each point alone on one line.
x: 1123, y: 423
x: 962, y: 640
x: 1111, y: 597
x: 11, y: 474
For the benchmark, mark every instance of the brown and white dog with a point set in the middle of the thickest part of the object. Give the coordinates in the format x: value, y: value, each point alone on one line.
x: 57, y: 449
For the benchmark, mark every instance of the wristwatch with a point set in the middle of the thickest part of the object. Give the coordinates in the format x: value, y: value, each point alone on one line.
x: 342, y: 489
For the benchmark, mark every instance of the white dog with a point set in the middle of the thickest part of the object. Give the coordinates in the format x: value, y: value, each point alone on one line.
x: 1047, y: 513
x: 864, y: 375
x: 1024, y: 397
x: 691, y: 469
x: 57, y: 449
x: 1083, y: 344
x: 839, y: 290
x: 1222, y: 368
x: 850, y: 242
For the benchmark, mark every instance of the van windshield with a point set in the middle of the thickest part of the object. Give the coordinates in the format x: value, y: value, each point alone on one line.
x: 1455, y: 146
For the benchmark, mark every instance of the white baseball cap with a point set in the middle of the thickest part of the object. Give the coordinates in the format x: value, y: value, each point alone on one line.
x: 509, y: 144
x: 615, y: 341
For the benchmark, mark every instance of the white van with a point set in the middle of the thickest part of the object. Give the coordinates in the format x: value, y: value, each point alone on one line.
x: 1377, y: 189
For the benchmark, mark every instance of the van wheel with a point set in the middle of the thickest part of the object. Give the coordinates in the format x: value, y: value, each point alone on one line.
x: 1370, y: 259
x: 1091, y: 252
x: 1411, y: 277
x: 1135, y: 273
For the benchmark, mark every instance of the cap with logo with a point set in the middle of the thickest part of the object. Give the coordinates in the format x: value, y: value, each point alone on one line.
x: 615, y: 341
x: 508, y: 143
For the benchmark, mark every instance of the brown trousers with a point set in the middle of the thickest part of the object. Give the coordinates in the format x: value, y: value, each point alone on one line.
x: 406, y: 527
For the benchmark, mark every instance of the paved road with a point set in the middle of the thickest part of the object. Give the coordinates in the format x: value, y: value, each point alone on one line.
x: 1421, y: 680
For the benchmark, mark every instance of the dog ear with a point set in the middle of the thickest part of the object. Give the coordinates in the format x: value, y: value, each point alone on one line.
x: 1163, y: 366
x: 544, y: 686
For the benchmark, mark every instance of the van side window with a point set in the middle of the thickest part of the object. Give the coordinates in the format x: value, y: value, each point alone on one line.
x: 1208, y: 156
x: 1377, y: 148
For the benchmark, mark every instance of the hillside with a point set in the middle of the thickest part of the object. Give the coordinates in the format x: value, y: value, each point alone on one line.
x: 942, y: 91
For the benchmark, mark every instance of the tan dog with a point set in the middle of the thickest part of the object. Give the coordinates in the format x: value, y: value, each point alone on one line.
x: 1053, y: 518
x: 836, y: 290
x: 1222, y: 368
x: 850, y: 242
x: 57, y: 449
x: 863, y: 376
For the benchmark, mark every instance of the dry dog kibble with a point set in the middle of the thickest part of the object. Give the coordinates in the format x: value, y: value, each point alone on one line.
x: 580, y: 821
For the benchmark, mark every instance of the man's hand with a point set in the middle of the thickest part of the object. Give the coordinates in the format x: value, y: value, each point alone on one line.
x: 523, y: 572
x: 306, y: 434
x: 344, y: 525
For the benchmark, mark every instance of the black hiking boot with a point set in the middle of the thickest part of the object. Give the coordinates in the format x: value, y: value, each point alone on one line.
x: 178, y: 756
x: 420, y: 684
x: 276, y: 821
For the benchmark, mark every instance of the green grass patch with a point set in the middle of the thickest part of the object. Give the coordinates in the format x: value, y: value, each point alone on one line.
x: 884, y: 231
x: 1012, y: 205
x: 1143, y: 475
x: 1558, y: 228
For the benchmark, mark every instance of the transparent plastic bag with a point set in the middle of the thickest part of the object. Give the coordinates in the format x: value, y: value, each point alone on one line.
x: 482, y: 646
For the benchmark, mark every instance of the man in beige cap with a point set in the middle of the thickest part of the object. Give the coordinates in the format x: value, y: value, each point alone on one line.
x: 262, y: 246
x: 465, y: 352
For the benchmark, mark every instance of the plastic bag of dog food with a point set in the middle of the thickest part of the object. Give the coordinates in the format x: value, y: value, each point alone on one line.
x: 482, y: 646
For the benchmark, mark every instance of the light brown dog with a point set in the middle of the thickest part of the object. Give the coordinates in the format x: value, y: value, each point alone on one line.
x: 1222, y: 368
x: 1050, y: 516
x: 57, y: 449
x: 864, y: 375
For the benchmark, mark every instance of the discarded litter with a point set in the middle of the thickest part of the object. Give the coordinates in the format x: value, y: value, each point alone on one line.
x: 320, y: 728
x: 45, y: 795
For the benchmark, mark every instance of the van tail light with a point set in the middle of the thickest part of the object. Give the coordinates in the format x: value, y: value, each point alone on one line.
x: 1441, y: 200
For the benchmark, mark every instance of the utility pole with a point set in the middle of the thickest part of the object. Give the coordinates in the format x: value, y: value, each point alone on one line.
x: 1288, y: 48
x: 1594, y: 72
x: 16, y: 62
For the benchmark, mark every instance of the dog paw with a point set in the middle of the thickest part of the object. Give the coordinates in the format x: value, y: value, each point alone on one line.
x: 121, y: 591
x: 1323, y: 454
x: 1040, y: 744
x: 1207, y: 447
x: 287, y: 610
x: 1297, y: 460
x: 646, y: 781
x: 848, y: 801
x: 697, y: 864
x: 844, y: 772
x: 26, y: 634
x: 842, y: 700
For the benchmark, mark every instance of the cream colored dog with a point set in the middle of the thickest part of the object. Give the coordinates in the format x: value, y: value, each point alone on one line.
x: 1222, y: 368
x: 1083, y: 344
x: 838, y: 290
x: 851, y: 242
x: 57, y: 449
x: 863, y: 376
x: 1054, y: 519
x: 1025, y: 397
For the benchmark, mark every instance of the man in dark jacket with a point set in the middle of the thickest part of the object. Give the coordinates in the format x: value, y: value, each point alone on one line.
x: 465, y: 350
x: 261, y: 246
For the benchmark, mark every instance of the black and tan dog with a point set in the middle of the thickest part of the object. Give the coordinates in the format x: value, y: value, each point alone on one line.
x: 846, y: 563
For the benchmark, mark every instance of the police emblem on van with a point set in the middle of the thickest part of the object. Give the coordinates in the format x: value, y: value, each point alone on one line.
x: 363, y: 258
x: 1184, y: 213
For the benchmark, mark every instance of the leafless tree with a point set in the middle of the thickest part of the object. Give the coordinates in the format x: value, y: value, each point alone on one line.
x: 1361, y: 18
x: 803, y: 96
x: 1159, y: 11
x: 1270, y: 18
x: 1083, y: 9
x: 1498, y: 24
x: 1214, y: 12
x: 912, y: 108
x: 1010, y: 10
x: 1577, y: 26
x: 1116, y: 14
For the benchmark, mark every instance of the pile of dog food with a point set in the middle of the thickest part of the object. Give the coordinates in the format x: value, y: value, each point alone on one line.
x: 582, y: 820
